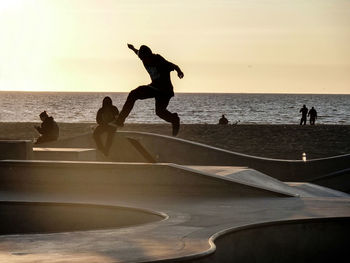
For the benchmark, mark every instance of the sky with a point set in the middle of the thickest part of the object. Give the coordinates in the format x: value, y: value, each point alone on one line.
x: 228, y: 46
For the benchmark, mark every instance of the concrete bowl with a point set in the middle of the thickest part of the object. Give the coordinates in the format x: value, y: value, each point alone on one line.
x: 44, y: 217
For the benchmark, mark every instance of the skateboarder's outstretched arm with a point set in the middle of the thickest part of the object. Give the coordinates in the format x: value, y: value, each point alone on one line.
x: 180, y: 74
x: 133, y: 48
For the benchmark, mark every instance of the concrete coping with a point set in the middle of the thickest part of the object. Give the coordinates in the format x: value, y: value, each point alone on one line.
x: 14, y: 141
x: 49, y: 149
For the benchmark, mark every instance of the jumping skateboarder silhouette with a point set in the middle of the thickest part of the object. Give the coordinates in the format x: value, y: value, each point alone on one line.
x: 160, y: 88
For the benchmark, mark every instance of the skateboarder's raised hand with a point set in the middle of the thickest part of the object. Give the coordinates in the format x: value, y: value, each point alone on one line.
x: 132, y: 48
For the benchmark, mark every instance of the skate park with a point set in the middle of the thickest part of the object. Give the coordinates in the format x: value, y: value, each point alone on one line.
x: 162, y: 199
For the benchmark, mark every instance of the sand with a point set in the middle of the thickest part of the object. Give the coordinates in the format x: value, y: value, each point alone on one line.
x: 274, y: 141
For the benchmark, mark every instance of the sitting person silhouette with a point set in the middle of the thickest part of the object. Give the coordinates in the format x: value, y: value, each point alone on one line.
x: 313, y: 115
x: 106, y: 120
x: 223, y: 120
x: 48, y: 129
x: 160, y: 88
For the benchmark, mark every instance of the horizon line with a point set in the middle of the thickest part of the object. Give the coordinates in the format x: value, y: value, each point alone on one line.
x: 202, y: 92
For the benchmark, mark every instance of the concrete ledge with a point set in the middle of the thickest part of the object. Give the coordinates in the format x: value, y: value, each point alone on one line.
x: 16, y: 149
x: 123, y: 149
x: 64, y: 154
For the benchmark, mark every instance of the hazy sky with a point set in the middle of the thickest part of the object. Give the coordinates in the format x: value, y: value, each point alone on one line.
x: 299, y: 46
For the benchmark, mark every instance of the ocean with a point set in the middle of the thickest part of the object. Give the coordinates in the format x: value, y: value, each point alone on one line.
x: 192, y: 107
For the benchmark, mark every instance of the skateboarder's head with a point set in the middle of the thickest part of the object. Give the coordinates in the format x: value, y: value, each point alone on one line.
x: 144, y: 52
x: 107, y: 101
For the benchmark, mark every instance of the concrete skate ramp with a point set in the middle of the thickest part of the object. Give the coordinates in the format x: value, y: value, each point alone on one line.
x: 123, y: 179
x: 308, y: 240
x: 174, y: 150
x: 247, y: 176
x: 255, y: 178
x: 147, y: 147
x: 45, y: 217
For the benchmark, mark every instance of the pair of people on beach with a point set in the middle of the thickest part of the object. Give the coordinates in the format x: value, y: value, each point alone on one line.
x: 312, y: 113
x: 161, y: 89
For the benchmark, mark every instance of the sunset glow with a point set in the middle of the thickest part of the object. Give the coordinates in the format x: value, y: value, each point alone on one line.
x: 272, y: 46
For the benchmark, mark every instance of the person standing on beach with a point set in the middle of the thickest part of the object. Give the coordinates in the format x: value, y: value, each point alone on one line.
x: 48, y: 129
x: 105, y: 118
x: 303, y: 111
x: 161, y: 88
x: 313, y: 116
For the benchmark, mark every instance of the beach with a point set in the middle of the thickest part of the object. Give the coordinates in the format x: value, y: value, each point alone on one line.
x: 271, y: 141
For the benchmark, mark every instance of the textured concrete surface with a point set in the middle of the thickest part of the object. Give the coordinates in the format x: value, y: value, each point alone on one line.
x: 197, y: 207
x: 221, y: 213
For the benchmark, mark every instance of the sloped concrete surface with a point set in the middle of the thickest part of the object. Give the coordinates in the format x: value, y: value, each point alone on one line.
x: 179, y: 151
x: 314, y: 190
x: 249, y: 177
x: 199, y: 209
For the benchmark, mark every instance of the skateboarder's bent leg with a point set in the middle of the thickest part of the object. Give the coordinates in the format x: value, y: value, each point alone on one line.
x: 140, y: 93
x: 162, y: 112
x: 161, y: 109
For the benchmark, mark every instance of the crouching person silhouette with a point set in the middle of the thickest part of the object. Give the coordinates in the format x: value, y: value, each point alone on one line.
x: 161, y: 88
x: 48, y: 129
x: 106, y: 120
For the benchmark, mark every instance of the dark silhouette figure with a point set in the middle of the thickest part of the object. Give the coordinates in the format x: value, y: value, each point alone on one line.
x: 223, y: 120
x: 303, y: 111
x: 313, y: 116
x: 106, y: 120
x: 48, y: 129
x: 160, y: 88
